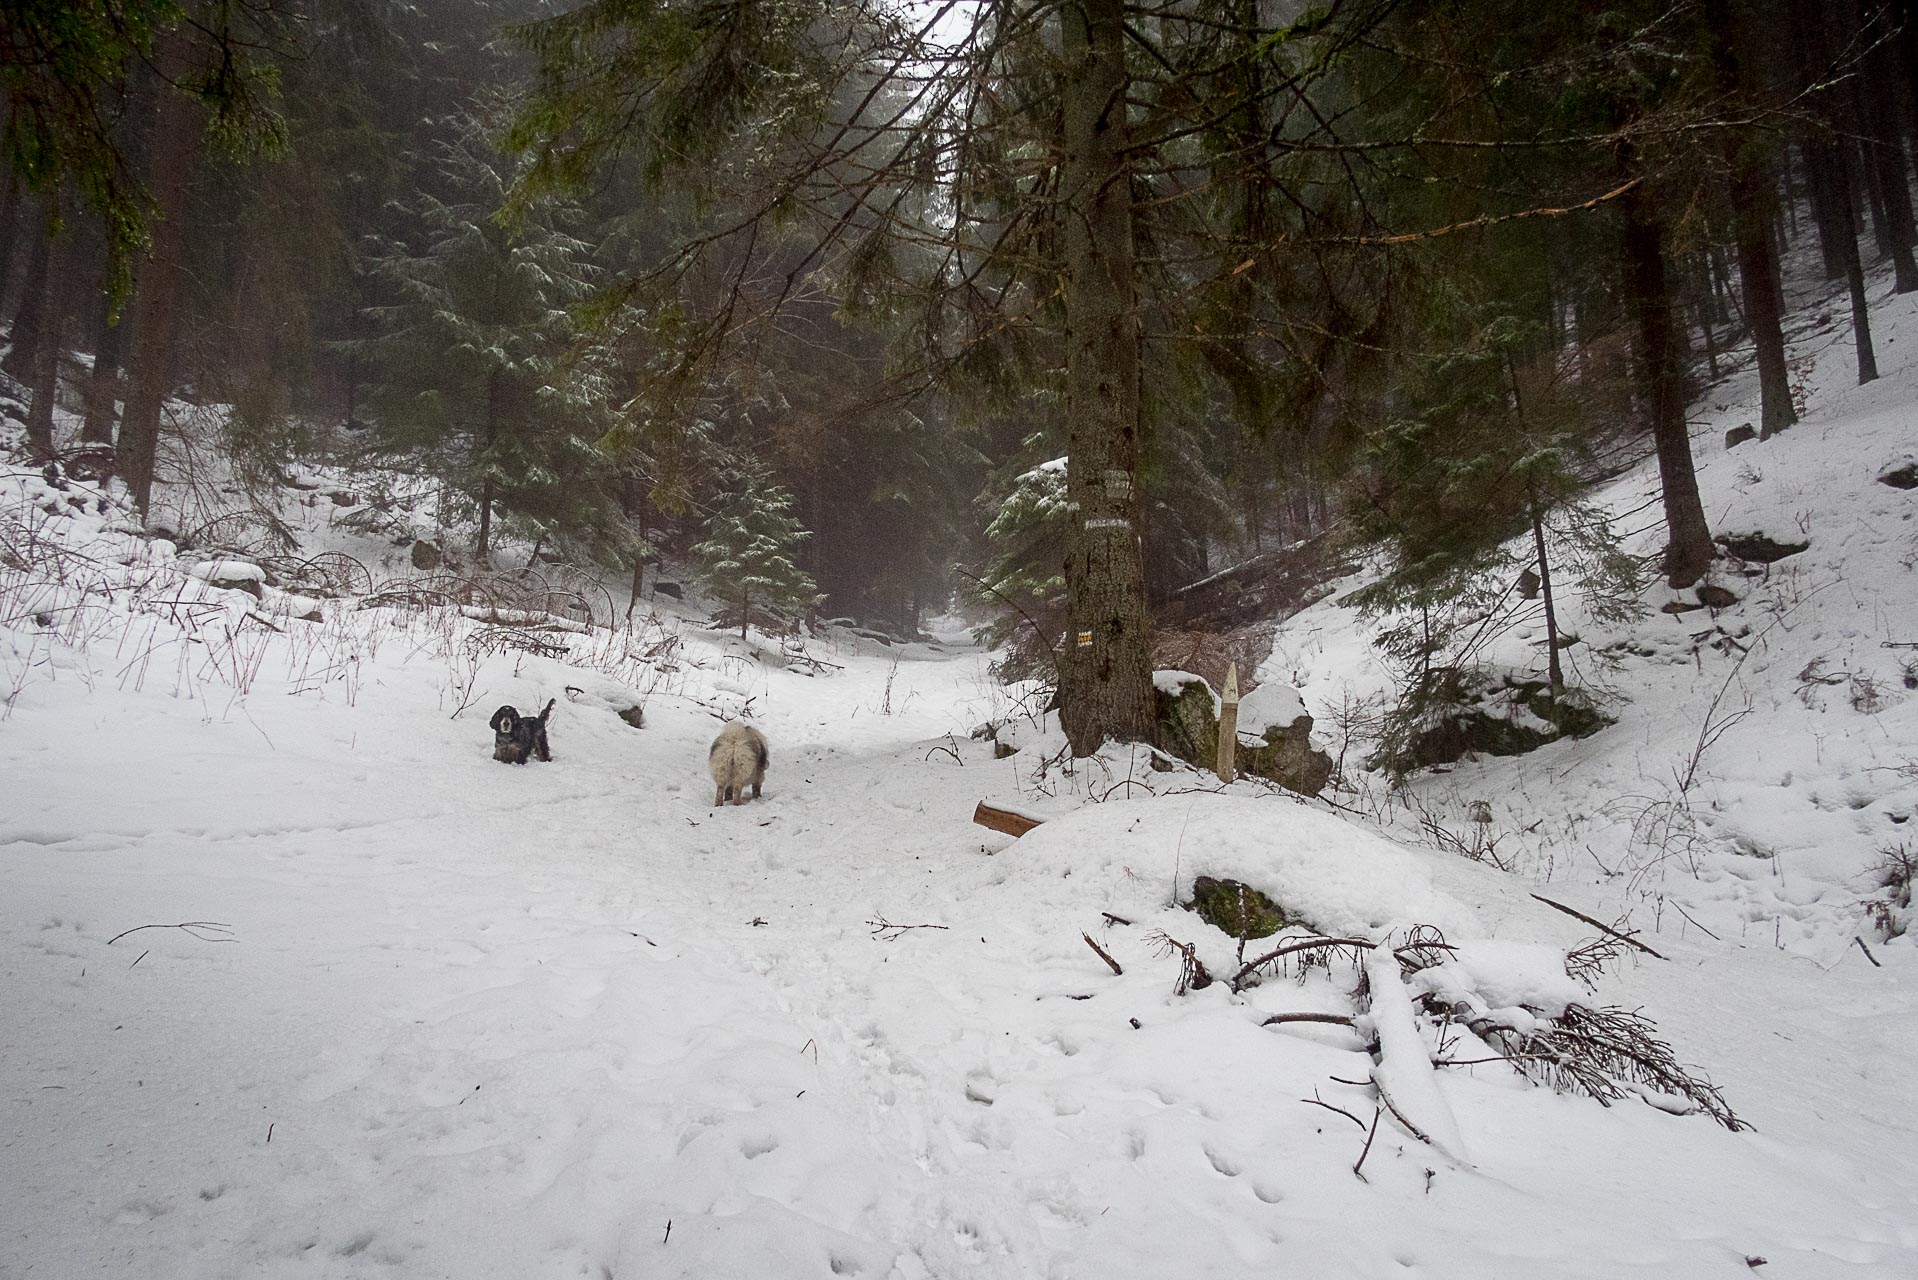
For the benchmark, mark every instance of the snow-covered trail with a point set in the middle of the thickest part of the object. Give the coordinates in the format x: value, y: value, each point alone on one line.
x: 475, y: 1021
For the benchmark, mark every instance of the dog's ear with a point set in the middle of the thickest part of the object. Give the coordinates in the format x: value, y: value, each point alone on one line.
x: 504, y: 716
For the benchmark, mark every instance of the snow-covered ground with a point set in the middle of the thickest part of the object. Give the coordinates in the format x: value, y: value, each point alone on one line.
x: 295, y: 980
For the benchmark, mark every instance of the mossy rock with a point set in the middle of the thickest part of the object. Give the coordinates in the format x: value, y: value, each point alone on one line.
x: 1236, y: 910
x: 1188, y: 722
x: 1287, y: 758
x: 1464, y: 724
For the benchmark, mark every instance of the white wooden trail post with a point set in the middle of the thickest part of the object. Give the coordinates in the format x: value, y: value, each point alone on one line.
x: 1228, y: 721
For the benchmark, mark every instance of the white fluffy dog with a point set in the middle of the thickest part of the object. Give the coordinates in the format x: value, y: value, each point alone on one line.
x: 738, y: 756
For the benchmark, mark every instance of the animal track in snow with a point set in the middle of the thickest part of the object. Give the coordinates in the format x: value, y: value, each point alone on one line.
x: 134, y: 1212
x: 1224, y: 1164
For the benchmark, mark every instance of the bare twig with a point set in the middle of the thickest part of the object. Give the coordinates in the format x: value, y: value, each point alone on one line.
x: 1103, y: 954
x: 1371, y: 1134
x: 198, y: 928
x: 1489, y: 220
x: 1701, y: 928
x: 1604, y: 928
x: 1193, y: 975
x: 886, y: 931
x: 1290, y: 948
x: 1316, y: 1101
x: 1867, y: 950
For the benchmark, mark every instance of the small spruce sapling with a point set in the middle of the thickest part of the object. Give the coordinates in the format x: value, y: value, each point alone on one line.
x: 751, y: 543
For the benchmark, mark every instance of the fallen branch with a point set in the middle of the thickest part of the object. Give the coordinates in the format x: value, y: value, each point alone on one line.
x: 1334, y: 1019
x: 1701, y: 928
x: 1290, y: 948
x: 1103, y: 954
x: 1867, y: 950
x: 1006, y: 821
x: 1602, y: 927
x: 886, y: 931
x: 193, y: 927
x: 1316, y: 1101
x: 1402, y: 1068
x: 1193, y: 975
x: 1373, y: 1133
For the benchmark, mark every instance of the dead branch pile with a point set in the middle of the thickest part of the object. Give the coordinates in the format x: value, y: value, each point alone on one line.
x: 1604, y: 1052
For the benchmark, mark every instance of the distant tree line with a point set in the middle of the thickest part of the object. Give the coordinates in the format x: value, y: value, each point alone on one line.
x: 637, y: 276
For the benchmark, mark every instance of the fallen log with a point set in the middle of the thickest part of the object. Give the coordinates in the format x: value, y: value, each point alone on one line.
x: 1009, y: 821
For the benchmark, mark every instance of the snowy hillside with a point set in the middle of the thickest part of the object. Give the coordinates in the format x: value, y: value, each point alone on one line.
x: 300, y: 982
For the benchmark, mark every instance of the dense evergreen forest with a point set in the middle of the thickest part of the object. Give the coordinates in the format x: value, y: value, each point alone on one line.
x: 816, y: 293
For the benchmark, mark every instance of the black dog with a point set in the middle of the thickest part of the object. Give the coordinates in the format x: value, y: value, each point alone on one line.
x: 517, y: 737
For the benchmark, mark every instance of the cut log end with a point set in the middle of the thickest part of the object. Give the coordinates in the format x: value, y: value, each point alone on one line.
x: 1007, y: 821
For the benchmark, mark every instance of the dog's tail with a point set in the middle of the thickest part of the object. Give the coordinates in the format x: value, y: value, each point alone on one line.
x: 548, y: 711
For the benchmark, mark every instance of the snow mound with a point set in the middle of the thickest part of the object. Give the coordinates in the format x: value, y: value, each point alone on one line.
x: 1270, y: 706
x: 1343, y: 879
x: 228, y: 571
x: 1500, y: 974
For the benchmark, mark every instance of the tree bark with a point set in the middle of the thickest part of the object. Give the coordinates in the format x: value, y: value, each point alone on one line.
x: 103, y: 384
x: 156, y: 292
x: 1854, y: 269
x: 43, y: 359
x: 1827, y: 149
x: 1824, y: 211
x: 1554, y: 671
x: 484, y: 541
x: 1752, y: 195
x: 29, y: 319
x: 1689, y: 553
x: 9, y: 230
x: 1876, y: 96
x: 1105, y: 677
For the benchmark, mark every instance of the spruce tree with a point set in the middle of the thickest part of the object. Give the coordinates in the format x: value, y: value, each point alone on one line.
x: 470, y: 353
x: 1025, y: 573
x: 751, y: 549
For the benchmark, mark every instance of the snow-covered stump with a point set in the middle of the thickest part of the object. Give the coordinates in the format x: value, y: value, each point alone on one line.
x: 1403, y: 1074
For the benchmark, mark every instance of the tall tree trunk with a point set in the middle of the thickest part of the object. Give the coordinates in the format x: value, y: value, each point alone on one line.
x: 43, y: 358
x: 1828, y: 149
x: 1824, y: 211
x: 10, y: 203
x: 1105, y: 677
x: 30, y: 318
x: 483, y: 543
x: 1752, y: 193
x: 1858, y: 156
x: 1854, y: 273
x: 1904, y: 58
x: 154, y: 311
x: 103, y: 383
x: 1876, y: 94
x: 1554, y: 671
x: 1689, y: 553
